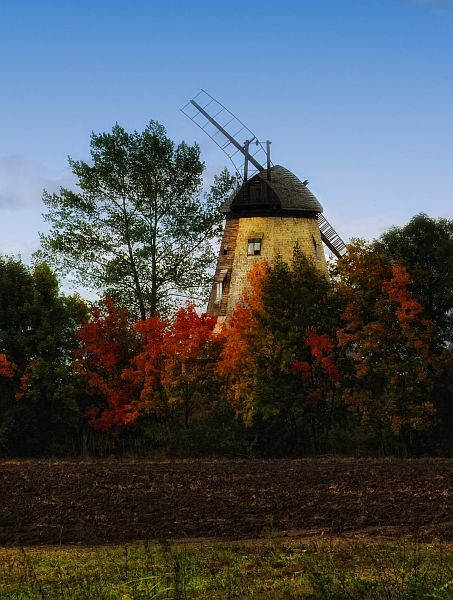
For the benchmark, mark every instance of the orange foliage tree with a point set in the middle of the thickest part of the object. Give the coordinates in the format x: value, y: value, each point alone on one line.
x: 388, y: 342
x: 107, y: 344
x: 244, y: 337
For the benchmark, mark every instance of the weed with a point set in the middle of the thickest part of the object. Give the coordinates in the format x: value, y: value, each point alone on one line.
x: 269, y: 570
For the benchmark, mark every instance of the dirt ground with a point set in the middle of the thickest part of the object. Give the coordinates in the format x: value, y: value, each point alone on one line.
x: 113, y: 501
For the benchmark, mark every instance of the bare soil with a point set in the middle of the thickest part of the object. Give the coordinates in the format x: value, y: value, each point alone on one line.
x: 113, y: 501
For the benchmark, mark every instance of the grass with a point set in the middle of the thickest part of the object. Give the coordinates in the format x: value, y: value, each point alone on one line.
x: 315, y: 570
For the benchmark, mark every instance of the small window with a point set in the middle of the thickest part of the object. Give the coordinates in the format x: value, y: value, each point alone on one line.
x: 317, y: 248
x: 220, y: 281
x: 254, y: 247
x: 218, y: 292
x: 225, y: 250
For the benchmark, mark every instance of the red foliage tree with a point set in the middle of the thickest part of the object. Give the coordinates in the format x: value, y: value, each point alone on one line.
x: 318, y: 363
x: 145, y: 370
x: 7, y: 368
x: 107, y: 344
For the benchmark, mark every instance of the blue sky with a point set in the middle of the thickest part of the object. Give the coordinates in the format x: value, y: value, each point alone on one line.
x: 356, y: 95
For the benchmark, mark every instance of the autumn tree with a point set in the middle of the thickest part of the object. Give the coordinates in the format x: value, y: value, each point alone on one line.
x: 280, y: 353
x: 388, y: 341
x: 137, y: 227
x: 243, y: 337
x: 7, y: 368
x: 108, y: 343
x: 191, y: 351
x: 176, y: 367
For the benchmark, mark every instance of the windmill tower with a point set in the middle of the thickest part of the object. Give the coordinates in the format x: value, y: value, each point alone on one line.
x: 270, y: 213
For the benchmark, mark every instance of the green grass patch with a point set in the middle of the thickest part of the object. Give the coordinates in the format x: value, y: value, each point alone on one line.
x: 315, y: 570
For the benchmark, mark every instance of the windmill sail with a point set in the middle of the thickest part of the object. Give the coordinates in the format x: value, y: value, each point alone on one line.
x: 330, y: 237
x: 226, y: 130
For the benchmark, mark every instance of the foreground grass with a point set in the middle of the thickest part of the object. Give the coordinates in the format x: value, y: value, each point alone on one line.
x: 315, y: 570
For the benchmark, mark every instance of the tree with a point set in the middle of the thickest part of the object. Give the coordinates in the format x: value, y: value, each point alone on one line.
x: 244, y: 340
x: 388, y: 341
x: 425, y: 247
x: 190, y: 352
x: 38, y: 408
x: 279, y: 354
x: 138, y: 227
x: 176, y: 367
x: 7, y: 388
x: 7, y: 368
x: 108, y: 343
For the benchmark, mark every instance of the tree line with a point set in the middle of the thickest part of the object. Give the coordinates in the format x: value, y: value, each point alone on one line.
x: 359, y: 363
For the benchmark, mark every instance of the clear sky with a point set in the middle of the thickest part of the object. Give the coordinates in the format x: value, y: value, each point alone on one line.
x: 356, y: 95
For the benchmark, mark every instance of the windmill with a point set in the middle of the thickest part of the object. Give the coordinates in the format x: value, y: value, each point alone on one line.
x: 272, y: 211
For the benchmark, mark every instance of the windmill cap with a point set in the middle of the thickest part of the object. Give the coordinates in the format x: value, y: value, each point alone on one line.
x: 287, y: 193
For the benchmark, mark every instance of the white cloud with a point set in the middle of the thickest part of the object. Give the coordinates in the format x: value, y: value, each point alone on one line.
x: 21, y: 185
x: 22, y: 182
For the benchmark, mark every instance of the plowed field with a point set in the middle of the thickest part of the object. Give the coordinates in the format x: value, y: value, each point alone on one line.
x: 103, y: 501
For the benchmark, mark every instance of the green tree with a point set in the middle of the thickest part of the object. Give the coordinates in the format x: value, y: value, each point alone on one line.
x: 38, y: 408
x: 425, y: 247
x: 138, y: 228
x: 280, y: 357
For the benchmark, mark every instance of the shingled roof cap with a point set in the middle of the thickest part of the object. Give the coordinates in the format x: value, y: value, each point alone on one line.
x: 292, y: 194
